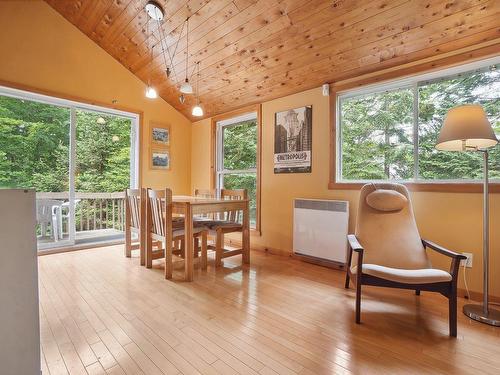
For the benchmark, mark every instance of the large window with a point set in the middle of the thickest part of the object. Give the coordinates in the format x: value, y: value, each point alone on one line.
x: 236, y: 160
x: 388, y: 132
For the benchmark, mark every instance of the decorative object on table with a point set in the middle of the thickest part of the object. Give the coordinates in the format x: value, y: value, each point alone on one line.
x: 160, y: 135
x: 466, y: 128
x: 159, y: 159
x: 293, y: 140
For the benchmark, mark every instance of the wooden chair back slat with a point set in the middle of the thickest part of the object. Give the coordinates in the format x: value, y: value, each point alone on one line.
x: 133, y: 202
x: 235, y: 216
x: 206, y: 193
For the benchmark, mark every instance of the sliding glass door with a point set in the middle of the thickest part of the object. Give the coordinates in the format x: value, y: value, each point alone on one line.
x: 78, y: 158
x: 102, y: 173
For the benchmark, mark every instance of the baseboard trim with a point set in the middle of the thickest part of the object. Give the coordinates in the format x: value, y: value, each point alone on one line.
x: 67, y: 249
x: 477, y: 296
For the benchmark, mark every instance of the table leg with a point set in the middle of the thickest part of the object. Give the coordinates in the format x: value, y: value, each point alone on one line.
x: 246, y: 234
x: 188, y: 246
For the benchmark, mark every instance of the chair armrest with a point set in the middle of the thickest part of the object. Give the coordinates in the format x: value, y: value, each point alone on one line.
x: 354, y: 243
x: 442, y: 250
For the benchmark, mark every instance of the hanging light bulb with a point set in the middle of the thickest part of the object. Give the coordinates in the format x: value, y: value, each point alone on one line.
x: 186, y: 87
x: 151, y: 92
x: 197, y: 110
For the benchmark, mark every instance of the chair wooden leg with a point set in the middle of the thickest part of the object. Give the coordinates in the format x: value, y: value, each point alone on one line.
x: 452, y: 302
x: 149, y: 253
x: 219, y: 244
x: 204, y: 250
x: 347, y: 279
x: 358, y: 302
x: 417, y: 292
x: 128, y: 243
x: 196, y: 246
x: 183, y: 248
x: 168, y: 260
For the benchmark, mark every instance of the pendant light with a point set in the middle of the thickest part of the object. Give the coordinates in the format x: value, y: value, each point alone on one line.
x: 150, y: 90
x: 197, y: 110
x: 186, y: 87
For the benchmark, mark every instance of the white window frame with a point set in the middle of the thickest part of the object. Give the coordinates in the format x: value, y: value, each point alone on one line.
x: 73, y: 106
x: 412, y: 82
x: 220, y: 171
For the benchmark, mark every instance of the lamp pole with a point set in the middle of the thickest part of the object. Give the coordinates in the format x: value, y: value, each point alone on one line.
x: 477, y: 312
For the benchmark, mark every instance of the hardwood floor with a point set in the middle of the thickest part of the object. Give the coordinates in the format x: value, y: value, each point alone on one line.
x: 102, y: 313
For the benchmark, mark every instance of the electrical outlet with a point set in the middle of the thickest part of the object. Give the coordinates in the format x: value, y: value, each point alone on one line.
x: 467, y: 262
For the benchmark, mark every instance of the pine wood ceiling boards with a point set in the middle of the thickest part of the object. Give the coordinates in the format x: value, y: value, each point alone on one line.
x: 256, y: 50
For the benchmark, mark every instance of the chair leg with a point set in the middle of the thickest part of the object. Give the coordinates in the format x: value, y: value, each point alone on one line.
x: 347, y: 279
x: 417, y: 292
x: 219, y: 243
x: 128, y: 243
x: 358, y: 302
x: 183, y: 247
x: 168, y: 260
x: 196, y: 246
x: 452, y: 302
x: 149, y: 253
x: 203, y: 250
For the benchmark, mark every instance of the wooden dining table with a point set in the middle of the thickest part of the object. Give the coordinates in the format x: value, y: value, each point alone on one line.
x: 189, y: 206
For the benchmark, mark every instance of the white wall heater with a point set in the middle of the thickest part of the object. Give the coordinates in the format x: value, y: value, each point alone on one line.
x: 320, y: 229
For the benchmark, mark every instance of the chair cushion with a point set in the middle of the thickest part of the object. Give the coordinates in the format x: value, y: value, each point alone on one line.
x: 386, y: 200
x: 214, y: 224
x: 178, y: 223
x: 180, y: 232
x: 418, y: 276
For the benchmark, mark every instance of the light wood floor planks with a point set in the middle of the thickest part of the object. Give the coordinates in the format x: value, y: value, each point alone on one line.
x: 102, y: 313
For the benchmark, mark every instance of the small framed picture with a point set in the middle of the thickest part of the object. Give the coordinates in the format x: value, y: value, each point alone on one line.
x: 160, y: 135
x: 160, y: 159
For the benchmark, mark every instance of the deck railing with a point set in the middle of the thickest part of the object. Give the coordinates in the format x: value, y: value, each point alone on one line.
x: 93, y: 211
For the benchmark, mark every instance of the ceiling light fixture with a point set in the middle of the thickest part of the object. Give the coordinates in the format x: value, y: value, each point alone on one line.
x: 150, y: 7
x: 186, y: 87
x: 154, y: 10
x: 197, y: 110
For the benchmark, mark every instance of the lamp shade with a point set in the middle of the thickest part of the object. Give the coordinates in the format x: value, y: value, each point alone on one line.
x: 466, y: 127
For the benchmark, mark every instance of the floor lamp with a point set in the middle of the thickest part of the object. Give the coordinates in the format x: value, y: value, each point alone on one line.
x: 466, y: 128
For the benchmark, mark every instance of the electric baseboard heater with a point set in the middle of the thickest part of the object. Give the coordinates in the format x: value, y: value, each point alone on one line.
x: 320, y: 230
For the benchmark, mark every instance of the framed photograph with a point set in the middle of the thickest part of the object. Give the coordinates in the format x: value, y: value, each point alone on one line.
x: 159, y: 159
x: 293, y: 140
x: 160, y: 135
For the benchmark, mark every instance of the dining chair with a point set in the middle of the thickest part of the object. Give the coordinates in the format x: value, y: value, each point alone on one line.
x: 163, y: 228
x: 387, y: 250
x: 135, y: 213
x: 221, y: 224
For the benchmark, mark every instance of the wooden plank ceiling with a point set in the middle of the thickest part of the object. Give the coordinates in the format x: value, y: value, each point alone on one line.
x: 251, y: 51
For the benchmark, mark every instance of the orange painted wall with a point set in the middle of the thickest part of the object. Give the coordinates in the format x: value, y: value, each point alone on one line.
x: 451, y: 219
x: 40, y: 49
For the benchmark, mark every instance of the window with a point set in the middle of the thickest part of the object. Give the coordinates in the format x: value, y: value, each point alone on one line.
x: 236, y: 160
x: 388, y: 131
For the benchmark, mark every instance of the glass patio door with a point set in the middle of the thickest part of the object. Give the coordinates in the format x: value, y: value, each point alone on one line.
x: 103, y: 165
x: 79, y: 158
x: 35, y: 153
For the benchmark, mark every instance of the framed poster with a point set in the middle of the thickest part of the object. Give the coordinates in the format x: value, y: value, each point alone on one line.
x: 293, y: 140
x: 160, y: 135
x: 159, y: 159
